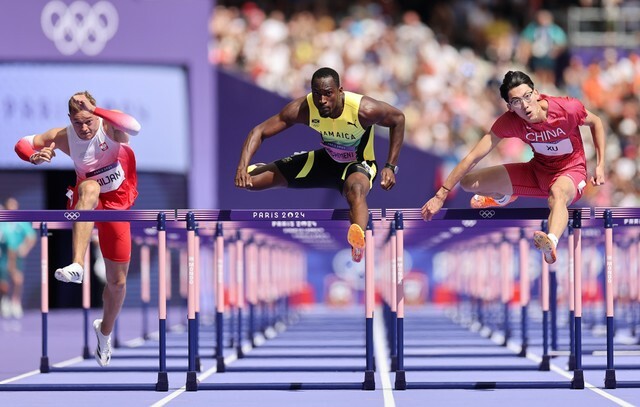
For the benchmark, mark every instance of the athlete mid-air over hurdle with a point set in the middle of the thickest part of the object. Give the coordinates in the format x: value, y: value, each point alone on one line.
x: 346, y: 160
x: 557, y: 171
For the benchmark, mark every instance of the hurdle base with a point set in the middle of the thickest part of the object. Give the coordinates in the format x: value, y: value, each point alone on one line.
x: 401, y: 380
x: 85, y: 353
x: 610, y: 379
x: 44, y: 364
x: 545, y: 363
x: 220, y: 367
x: 523, y: 352
x: 198, y: 364
x: 239, y: 352
x: 192, y: 382
x: 571, y: 363
x: 577, y: 382
x: 369, y: 380
x: 163, y: 382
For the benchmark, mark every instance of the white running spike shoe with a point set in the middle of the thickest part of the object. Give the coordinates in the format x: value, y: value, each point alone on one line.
x: 70, y: 274
x: 103, y: 349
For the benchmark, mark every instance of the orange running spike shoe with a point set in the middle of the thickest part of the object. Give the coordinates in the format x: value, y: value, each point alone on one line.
x: 355, y: 237
x: 481, y: 201
x: 542, y: 242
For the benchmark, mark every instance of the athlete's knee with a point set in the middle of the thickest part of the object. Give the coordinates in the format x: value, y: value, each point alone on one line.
x: 116, y: 274
x: 356, y: 190
x: 88, y: 194
x: 558, y: 196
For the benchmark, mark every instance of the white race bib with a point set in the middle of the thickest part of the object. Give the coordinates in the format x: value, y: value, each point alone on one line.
x: 339, y: 153
x: 561, y: 147
x: 109, y: 178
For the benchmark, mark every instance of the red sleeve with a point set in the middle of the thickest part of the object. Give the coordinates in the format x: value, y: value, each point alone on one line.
x: 574, y: 108
x: 119, y: 119
x: 24, y: 149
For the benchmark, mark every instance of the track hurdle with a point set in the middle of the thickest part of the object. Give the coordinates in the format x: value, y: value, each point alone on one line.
x: 245, y: 218
x: 614, y: 217
x: 62, y: 218
x: 492, y: 219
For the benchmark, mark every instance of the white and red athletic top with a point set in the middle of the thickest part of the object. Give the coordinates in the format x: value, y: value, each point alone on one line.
x: 96, y: 159
x: 556, y: 142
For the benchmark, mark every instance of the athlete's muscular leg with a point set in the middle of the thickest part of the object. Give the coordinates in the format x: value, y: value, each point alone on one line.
x: 491, y: 181
x: 356, y: 188
x: 561, y: 194
x: 88, y: 194
x: 265, y: 177
x: 114, y: 293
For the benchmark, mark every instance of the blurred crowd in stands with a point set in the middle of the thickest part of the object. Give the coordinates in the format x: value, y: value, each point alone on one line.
x: 442, y: 70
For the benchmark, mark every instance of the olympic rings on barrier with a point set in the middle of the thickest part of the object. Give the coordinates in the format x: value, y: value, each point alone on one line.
x: 487, y: 214
x: 72, y: 215
x: 79, y: 26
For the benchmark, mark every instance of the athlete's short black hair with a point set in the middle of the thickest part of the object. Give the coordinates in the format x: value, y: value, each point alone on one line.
x: 324, y: 73
x: 511, y: 80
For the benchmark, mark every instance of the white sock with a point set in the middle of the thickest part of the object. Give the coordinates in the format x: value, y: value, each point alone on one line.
x: 504, y: 200
x: 554, y: 239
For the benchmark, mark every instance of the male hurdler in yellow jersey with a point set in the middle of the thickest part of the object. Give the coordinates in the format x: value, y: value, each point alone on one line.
x: 345, y: 159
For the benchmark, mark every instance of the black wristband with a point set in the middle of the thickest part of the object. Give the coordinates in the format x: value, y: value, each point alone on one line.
x: 445, y: 188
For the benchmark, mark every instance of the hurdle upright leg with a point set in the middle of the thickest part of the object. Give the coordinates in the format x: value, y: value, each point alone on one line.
x: 192, y: 382
x: 162, y: 383
x: 610, y: 373
x: 401, y: 380
x: 44, y: 295
x: 86, y: 303
x: 525, y: 291
x: 369, y: 374
x: 578, y: 374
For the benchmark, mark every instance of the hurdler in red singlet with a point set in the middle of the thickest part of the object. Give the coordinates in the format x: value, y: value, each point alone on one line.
x: 557, y: 171
x: 556, y: 143
x: 97, y: 142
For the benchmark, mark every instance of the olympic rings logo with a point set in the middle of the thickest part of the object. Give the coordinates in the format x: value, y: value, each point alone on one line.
x: 79, y: 26
x: 72, y: 215
x: 487, y: 214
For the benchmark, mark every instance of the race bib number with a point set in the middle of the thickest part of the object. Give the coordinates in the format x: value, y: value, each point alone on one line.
x: 341, y: 154
x: 109, y: 178
x: 561, y: 147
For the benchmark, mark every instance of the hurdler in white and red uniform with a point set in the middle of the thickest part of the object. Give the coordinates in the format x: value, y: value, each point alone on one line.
x: 97, y: 142
x: 557, y: 171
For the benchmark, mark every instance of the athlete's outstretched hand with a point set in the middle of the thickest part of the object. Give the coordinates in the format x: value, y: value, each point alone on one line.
x: 243, y: 179
x: 432, y: 207
x: 44, y: 155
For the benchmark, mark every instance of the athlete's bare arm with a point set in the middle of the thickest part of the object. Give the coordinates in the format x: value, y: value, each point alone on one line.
x: 597, y: 133
x: 373, y: 112
x: 295, y: 112
x: 477, y: 153
x: 46, y: 143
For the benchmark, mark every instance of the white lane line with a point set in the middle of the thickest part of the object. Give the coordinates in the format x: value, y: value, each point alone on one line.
x: 69, y: 362
x: 382, y: 363
x: 569, y: 376
x: 65, y: 363
x: 22, y: 376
